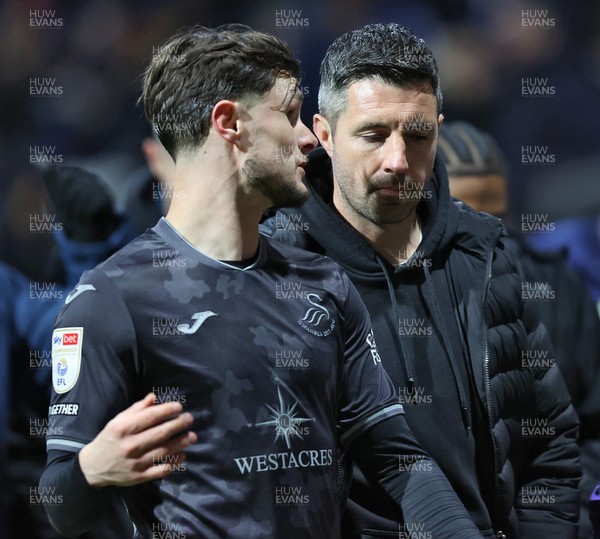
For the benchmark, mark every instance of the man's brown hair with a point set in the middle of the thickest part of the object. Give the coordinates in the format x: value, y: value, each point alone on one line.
x: 196, y: 68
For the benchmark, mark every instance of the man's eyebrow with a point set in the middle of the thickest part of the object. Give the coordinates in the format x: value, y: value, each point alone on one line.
x: 293, y: 93
x: 371, y: 125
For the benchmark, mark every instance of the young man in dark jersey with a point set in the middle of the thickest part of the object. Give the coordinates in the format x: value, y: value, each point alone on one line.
x: 268, y: 348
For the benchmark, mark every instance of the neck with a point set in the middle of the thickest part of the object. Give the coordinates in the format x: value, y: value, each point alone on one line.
x: 209, y: 209
x: 396, y: 242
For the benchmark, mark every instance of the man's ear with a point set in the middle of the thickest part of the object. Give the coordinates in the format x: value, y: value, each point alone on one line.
x: 440, y: 120
x: 322, y: 129
x: 224, y: 119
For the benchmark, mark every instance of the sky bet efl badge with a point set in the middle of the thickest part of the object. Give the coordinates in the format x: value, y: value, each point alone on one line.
x: 66, y: 358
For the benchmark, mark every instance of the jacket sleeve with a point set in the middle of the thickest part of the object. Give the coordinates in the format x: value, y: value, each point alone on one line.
x: 547, y: 501
x: 392, y: 460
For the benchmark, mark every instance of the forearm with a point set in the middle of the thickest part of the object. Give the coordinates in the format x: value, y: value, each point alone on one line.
x: 389, y: 456
x: 72, y: 505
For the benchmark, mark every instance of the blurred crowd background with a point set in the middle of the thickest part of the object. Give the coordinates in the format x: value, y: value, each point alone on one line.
x: 483, y: 47
x: 527, y: 72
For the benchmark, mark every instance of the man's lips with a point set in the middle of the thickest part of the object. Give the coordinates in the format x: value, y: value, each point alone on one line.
x: 391, y: 190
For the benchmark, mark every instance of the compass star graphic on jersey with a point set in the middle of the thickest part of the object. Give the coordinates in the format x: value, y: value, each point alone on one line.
x: 285, y: 421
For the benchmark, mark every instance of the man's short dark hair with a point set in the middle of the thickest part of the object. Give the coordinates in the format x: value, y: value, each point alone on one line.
x: 196, y: 68
x: 386, y: 52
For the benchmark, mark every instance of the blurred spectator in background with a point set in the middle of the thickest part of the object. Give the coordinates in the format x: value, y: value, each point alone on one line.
x: 150, y: 189
x: 87, y: 231
x: 478, y: 175
x: 567, y: 196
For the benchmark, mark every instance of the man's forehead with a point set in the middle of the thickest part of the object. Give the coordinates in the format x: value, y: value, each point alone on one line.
x: 373, y: 90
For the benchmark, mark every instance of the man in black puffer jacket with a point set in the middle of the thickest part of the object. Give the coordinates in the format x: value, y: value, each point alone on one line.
x: 478, y: 175
x: 444, y: 295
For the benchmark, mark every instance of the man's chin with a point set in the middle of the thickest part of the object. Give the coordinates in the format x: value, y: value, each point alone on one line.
x: 290, y: 200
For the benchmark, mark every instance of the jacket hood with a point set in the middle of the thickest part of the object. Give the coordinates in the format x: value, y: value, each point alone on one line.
x: 439, y: 218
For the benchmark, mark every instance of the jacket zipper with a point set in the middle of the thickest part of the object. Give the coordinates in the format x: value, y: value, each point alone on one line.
x: 486, y: 370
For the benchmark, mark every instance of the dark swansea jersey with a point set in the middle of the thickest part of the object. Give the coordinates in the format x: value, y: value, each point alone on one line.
x: 276, y: 362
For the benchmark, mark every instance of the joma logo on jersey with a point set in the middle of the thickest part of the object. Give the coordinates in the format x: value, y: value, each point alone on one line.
x: 317, y: 320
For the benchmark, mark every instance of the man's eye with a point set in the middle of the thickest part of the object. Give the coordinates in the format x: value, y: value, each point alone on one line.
x: 417, y: 135
x: 373, y: 137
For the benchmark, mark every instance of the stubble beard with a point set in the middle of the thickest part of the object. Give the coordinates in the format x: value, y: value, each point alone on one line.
x: 367, y: 204
x: 279, y: 189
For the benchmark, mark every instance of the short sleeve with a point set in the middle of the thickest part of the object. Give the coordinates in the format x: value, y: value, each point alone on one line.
x: 368, y: 395
x: 93, y: 358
